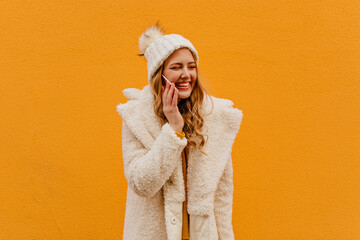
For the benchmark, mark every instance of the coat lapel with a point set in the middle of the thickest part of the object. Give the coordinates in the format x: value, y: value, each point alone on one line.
x: 204, y: 172
x: 139, y: 114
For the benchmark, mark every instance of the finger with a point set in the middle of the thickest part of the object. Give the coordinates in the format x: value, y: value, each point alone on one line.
x: 166, y: 90
x: 175, y: 99
x: 171, y: 93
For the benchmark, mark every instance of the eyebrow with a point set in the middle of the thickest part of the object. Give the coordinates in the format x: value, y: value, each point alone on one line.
x: 180, y: 63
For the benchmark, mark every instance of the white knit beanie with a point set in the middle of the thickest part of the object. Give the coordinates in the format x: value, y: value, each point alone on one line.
x: 158, y: 47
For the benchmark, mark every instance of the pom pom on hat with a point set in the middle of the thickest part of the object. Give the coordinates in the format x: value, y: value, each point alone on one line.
x: 157, y: 47
x: 149, y: 36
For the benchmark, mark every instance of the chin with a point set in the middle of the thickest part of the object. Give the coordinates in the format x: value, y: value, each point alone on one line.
x: 184, y: 96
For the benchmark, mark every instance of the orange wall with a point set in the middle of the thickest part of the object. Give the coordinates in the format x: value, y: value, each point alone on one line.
x: 291, y: 66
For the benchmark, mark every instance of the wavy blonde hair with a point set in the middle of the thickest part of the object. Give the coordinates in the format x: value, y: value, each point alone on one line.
x: 189, y: 109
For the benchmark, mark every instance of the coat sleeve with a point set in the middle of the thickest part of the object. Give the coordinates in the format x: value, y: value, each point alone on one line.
x: 223, y: 203
x: 147, y: 170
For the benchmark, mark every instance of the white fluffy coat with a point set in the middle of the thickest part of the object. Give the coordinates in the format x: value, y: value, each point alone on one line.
x: 153, y: 168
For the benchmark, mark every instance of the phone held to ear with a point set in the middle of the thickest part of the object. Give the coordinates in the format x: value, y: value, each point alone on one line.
x: 166, y: 80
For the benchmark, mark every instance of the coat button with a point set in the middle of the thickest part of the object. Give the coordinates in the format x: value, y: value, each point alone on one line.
x: 173, y: 221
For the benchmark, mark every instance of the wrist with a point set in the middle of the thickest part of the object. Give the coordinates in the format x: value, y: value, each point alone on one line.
x: 177, y: 128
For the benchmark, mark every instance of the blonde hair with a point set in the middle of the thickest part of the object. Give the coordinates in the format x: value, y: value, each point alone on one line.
x: 189, y: 109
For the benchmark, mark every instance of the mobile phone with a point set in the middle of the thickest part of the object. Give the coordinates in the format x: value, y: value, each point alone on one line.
x: 166, y: 79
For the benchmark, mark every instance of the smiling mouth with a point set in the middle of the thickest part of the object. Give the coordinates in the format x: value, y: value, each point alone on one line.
x: 183, y: 86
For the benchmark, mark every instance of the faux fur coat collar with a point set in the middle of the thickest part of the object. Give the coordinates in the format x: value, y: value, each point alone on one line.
x: 221, y: 124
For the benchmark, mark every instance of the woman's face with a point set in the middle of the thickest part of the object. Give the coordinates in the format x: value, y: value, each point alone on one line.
x: 180, y: 68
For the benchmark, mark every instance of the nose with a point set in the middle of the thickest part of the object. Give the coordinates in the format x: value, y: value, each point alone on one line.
x: 185, y: 73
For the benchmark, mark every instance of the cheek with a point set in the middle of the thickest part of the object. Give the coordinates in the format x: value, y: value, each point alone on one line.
x: 194, y: 76
x: 172, y: 77
x: 193, y: 82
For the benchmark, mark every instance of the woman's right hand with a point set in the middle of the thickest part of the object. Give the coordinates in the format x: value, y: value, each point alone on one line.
x: 170, y: 100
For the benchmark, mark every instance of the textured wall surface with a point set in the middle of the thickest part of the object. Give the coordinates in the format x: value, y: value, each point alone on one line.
x: 291, y: 66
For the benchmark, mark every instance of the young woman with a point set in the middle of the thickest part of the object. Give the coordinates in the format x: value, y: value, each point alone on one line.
x: 176, y: 146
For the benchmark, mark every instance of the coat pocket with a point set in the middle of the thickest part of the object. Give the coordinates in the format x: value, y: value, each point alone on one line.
x: 199, y: 227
